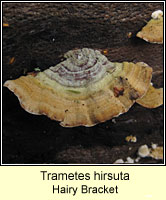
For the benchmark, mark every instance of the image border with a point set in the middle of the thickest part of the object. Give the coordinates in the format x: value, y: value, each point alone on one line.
x: 163, y: 86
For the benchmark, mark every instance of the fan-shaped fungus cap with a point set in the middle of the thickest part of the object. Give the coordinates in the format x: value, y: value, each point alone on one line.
x: 153, y: 31
x: 85, y: 89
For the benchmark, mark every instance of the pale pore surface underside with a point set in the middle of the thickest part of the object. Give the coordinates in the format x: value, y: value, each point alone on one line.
x: 153, y: 31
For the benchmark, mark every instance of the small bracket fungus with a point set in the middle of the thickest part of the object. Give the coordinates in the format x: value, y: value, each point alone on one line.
x: 153, y: 31
x: 131, y: 138
x: 86, y: 89
x: 119, y: 161
x: 156, y: 153
x: 157, y: 14
x: 143, y: 151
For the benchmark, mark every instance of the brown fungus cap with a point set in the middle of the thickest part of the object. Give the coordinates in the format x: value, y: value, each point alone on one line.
x: 153, y: 31
x: 83, y: 90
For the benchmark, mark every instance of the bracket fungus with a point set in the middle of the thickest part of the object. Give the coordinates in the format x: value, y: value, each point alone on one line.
x: 86, y: 89
x: 153, y: 31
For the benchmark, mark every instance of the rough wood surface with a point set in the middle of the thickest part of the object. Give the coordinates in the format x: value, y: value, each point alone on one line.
x: 37, y: 36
